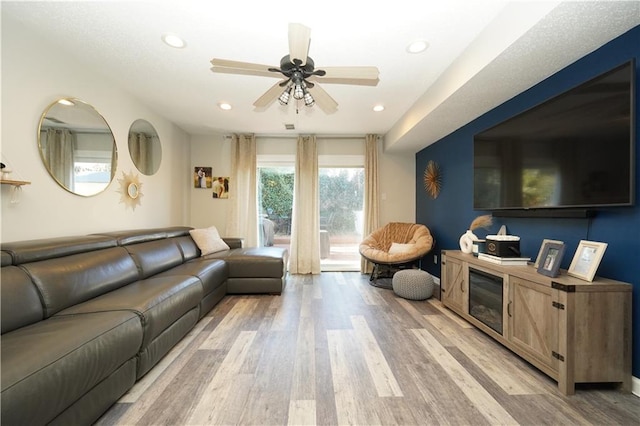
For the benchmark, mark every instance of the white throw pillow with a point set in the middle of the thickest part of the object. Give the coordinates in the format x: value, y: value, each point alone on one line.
x: 208, y: 240
x: 400, y: 248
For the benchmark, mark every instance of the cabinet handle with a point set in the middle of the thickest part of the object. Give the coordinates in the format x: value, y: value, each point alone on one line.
x: 462, y: 286
x: 509, y: 308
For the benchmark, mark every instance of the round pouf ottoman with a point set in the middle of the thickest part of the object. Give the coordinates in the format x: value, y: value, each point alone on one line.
x: 413, y: 284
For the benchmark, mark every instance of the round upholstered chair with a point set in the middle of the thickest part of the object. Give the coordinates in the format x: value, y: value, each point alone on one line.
x: 413, y: 284
x: 395, y: 246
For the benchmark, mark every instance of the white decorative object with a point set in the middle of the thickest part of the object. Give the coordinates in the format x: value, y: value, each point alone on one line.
x: 401, y: 248
x: 466, y: 241
x: 208, y: 240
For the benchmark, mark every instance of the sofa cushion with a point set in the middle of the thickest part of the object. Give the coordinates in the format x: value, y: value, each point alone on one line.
x: 69, y: 280
x: 49, y: 248
x: 187, y: 246
x: 251, y: 262
x: 212, y: 273
x: 208, y: 240
x: 20, y: 300
x: 156, y: 256
x: 61, y: 359
x: 136, y: 236
x: 158, y: 301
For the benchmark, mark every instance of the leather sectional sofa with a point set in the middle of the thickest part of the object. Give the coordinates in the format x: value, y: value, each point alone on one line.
x: 84, y: 318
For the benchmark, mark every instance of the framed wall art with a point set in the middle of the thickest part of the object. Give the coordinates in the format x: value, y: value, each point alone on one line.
x: 220, y: 186
x: 202, y: 177
x: 587, y: 259
x: 549, y: 261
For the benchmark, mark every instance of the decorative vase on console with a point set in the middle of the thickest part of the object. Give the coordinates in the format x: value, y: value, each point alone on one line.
x: 467, y: 239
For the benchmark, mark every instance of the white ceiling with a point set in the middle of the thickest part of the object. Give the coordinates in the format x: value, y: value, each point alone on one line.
x: 482, y: 53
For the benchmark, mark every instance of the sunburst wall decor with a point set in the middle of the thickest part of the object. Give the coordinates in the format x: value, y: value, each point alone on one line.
x: 432, y: 179
x: 130, y: 190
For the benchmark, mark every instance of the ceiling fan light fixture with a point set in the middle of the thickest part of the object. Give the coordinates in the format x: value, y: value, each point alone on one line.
x: 298, y: 92
x: 284, y: 97
x: 308, y: 99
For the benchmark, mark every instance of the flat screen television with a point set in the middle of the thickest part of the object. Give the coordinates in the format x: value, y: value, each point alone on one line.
x: 573, y: 151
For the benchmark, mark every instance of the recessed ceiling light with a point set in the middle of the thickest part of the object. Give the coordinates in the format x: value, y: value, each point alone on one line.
x: 225, y: 106
x: 66, y: 102
x: 417, y: 46
x: 173, y: 40
x: 378, y: 108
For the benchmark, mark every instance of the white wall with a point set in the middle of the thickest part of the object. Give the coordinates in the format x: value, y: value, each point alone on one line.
x: 215, y: 152
x: 397, y: 186
x: 35, y: 74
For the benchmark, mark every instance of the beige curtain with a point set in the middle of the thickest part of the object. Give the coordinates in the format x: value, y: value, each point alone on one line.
x: 305, y: 226
x: 243, y: 213
x: 58, y: 149
x: 141, y: 152
x: 370, y: 193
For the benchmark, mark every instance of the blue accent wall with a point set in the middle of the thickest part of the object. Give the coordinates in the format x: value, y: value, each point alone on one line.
x: 450, y: 214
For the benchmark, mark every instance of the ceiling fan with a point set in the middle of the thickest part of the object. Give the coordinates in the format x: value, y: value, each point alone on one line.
x: 300, y: 75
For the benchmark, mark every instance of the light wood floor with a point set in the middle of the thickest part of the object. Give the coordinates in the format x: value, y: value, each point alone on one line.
x: 334, y: 350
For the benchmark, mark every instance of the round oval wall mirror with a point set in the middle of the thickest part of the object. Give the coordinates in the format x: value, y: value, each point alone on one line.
x: 144, y: 147
x: 77, y: 147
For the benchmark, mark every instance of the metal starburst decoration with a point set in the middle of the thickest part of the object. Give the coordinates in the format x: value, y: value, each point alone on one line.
x: 432, y: 179
x: 130, y: 190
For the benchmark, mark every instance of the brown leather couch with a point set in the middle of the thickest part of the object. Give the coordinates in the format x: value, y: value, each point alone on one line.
x: 84, y: 318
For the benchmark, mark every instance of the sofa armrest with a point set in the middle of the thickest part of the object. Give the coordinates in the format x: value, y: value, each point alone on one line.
x: 234, y: 242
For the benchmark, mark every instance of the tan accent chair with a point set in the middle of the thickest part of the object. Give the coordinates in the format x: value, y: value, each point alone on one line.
x: 395, y: 246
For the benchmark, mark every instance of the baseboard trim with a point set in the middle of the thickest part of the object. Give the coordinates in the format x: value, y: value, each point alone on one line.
x: 635, y: 385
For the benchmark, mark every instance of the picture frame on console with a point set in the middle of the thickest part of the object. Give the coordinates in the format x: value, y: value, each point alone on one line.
x: 551, y: 256
x: 539, y: 258
x: 587, y: 259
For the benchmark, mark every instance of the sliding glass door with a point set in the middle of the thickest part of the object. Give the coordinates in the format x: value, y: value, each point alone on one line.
x: 341, y: 215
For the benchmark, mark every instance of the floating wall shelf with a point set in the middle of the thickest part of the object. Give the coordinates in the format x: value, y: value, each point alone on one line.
x: 14, y: 182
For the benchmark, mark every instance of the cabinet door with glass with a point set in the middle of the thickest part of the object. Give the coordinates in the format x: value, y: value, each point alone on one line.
x: 454, y: 290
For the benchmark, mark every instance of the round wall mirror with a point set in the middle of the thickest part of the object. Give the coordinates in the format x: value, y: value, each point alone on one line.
x: 144, y: 147
x: 77, y: 147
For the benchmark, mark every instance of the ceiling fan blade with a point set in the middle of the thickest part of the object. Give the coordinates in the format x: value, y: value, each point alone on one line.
x: 299, y: 40
x: 243, y: 68
x: 269, y: 96
x: 360, y: 76
x: 323, y: 99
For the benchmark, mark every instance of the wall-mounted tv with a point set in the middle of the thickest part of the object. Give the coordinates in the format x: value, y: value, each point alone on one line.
x: 573, y: 151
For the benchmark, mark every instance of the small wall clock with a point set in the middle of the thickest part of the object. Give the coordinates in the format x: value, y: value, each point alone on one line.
x: 432, y: 179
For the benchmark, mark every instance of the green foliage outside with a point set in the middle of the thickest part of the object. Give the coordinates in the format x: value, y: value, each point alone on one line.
x: 341, y: 194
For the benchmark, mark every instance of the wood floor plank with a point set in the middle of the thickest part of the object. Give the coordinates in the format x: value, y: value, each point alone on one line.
x: 223, y: 335
x: 303, y: 387
x: 302, y: 412
x: 351, y: 383
x: 383, y: 378
x: 214, y: 395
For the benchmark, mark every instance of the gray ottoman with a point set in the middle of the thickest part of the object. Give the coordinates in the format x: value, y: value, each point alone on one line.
x: 413, y: 284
